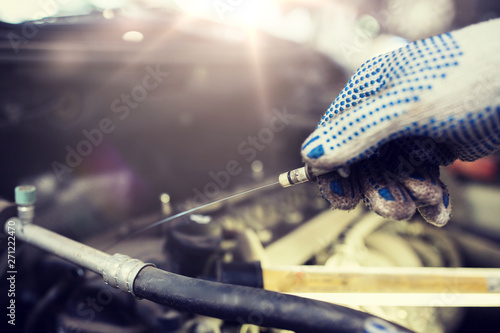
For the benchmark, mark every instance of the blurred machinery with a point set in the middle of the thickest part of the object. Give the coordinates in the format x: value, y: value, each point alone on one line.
x: 123, y: 119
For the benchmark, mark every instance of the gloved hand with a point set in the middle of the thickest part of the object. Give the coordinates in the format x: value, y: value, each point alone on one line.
x: 405, y: 113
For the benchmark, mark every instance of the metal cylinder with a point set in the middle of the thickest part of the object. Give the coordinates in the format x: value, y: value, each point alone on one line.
x: 63, y: 247
x: 118, y: 270
x: 294, y: 177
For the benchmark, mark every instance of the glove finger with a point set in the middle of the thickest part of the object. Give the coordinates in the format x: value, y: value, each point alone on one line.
x: 423, y: 185
x: 341, y: 193
x: 421, y: 181
x: 440, y: 213
x: 384, y: 194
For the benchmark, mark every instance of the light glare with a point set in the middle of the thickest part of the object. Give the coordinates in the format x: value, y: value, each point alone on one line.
x: 133, y: 36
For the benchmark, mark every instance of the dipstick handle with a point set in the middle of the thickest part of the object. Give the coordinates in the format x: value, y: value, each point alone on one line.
x: 297, y: 176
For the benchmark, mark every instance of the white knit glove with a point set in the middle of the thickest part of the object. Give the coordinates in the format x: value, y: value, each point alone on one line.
x: 405, y: 113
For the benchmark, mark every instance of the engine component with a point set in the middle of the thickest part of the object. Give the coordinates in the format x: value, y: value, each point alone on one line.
x: 192, y: 244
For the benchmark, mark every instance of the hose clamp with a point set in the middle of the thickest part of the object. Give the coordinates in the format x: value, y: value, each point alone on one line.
x: 120, y: 271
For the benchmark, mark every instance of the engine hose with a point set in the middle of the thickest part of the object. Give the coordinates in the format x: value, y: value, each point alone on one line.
x: 254, y: 306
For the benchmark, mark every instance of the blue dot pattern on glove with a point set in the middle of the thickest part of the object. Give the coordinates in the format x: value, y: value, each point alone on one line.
x: 386, y: 88
x: 476, y: 135
x: 414, y: 67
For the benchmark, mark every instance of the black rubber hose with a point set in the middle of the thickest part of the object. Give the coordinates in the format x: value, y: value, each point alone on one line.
x: 253, y: 306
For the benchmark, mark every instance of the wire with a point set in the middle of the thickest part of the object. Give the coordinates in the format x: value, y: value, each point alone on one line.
x: 170, y: 218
